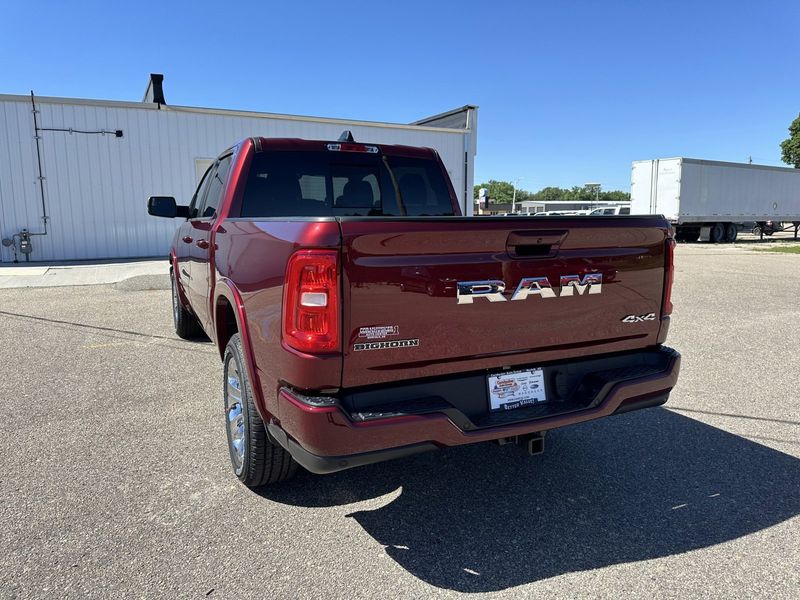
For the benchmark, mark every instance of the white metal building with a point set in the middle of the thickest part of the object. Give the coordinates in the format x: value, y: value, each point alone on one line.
x: 95, y: 182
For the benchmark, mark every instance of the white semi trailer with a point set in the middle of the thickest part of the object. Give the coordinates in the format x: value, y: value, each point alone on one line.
x: 709, y: 200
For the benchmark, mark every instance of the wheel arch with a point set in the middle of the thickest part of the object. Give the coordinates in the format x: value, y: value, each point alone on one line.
x: 173, y: 269
x: 225, y: 323
x: 230, y: 318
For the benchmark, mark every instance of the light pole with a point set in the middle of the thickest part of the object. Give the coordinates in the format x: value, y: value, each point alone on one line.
x: 596, y: 187
x: 514, y: 195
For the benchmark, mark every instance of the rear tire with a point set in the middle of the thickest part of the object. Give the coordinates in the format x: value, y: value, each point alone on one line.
x: 186, y: 324
x: 731, y: 232
x: 717, y: 233
x: 255, y: 459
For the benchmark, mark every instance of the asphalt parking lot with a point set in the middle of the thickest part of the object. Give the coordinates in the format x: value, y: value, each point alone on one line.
x: 115, y: 477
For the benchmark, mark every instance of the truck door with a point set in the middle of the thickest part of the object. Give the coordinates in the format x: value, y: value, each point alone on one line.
x: 185, y: 243
x: 200, y: 264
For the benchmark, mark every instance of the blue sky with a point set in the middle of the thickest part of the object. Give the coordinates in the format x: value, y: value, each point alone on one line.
x: 569, y: 92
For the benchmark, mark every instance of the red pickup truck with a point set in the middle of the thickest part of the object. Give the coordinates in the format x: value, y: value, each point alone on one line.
x: 360, y: 318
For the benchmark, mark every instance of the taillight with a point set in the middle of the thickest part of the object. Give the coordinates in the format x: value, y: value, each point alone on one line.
x: 311, y: 301
x: 669, y: 275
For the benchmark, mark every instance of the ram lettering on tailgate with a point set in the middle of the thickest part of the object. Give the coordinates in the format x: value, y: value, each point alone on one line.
x: 493, y: 289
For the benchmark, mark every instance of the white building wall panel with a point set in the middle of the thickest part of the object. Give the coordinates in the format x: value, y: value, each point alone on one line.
x: 96, y: 186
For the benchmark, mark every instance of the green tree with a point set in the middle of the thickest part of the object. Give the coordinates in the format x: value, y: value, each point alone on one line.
x: 523, y: 195
x: 502, y: 191
x: 550, y: 194
x: 790, y: 147
x: 580, y: 193
x: 615, y: 196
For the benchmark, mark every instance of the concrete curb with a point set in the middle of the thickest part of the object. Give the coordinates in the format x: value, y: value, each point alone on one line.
x: 84, y: 274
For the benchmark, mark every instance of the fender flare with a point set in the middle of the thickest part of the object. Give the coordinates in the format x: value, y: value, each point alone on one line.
x: 226, y: 289
x: 173, y: 261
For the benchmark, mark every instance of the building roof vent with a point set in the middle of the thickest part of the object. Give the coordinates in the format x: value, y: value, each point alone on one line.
x: 155, y: 89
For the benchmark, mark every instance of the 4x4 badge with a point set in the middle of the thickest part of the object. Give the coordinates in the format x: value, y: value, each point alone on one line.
x: 639, y: 318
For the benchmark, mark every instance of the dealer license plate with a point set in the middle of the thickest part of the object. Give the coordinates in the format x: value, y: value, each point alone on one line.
x: 515, y: 389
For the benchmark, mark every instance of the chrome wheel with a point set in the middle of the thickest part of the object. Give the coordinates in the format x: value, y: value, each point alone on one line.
x: 255, y: 458
x: 234, y: 416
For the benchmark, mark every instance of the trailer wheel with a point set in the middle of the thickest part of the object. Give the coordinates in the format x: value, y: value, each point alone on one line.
x: 731, y: 232
x: 717, y: 233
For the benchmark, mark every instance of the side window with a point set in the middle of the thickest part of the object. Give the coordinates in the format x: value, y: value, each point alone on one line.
x: 625, y: 210
x: 216, y: 188
x: 199, y: 193
x: 608, y: 211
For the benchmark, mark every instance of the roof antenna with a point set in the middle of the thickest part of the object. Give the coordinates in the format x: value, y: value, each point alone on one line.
x: 346, y: 136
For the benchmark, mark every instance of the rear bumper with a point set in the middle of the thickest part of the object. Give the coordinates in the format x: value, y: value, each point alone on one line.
x: 328, y: 438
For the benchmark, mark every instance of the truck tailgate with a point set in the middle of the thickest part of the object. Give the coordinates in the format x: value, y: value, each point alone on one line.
x: 403, y: 320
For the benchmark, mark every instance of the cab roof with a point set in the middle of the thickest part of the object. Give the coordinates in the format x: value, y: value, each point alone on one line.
x: 264, y: 144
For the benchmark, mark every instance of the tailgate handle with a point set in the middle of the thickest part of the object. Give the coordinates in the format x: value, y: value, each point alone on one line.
x: 533, y: 244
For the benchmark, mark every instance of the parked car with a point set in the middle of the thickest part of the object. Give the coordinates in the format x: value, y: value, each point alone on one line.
x: 767, y: 228
x: 295, y: 258
x: 611, y: 210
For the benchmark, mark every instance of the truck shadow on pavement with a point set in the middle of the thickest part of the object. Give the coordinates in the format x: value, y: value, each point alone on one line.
x: 630, y: 488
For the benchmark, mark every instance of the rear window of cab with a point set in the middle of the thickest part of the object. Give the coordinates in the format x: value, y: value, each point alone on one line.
x: 321, y: 184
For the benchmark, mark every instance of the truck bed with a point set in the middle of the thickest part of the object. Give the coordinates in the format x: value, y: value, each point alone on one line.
x: 402, y: 274
x: 401, y: 317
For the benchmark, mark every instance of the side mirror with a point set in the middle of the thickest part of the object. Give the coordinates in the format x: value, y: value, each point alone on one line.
x: 165, y: 206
